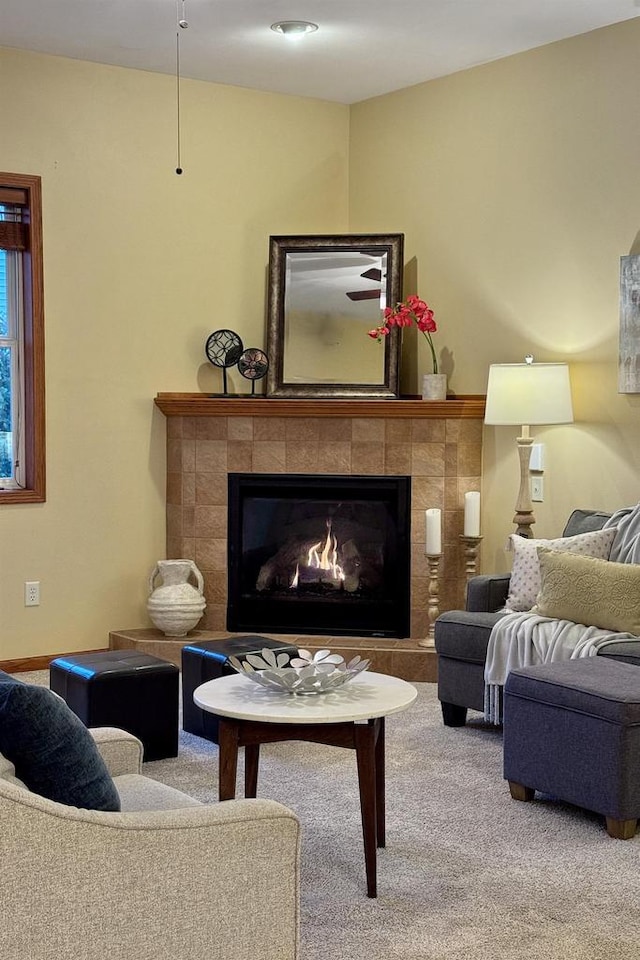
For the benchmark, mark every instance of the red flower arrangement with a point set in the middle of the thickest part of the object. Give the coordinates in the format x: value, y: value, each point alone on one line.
x: 405, y: 314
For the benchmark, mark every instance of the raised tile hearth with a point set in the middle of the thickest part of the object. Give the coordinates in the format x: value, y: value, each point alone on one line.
x: 398, y: 658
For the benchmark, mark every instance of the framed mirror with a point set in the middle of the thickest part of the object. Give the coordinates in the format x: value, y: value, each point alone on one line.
x: 324, y: 294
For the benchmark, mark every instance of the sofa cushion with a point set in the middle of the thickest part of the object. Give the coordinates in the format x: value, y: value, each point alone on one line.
x: 525, y: 572
x: 52, y: 751
x: 584, y: 521
x: 8, y: 773
x: 598, y: 593
x: 627, y: 651
x: 464, y: 636
x: 138, y: 793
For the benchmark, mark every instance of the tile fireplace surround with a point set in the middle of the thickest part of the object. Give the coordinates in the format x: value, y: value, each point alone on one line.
x: 437, y: 443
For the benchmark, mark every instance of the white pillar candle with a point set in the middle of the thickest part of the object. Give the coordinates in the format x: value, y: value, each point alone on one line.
x: 434, y: 531
x: 472, y: 514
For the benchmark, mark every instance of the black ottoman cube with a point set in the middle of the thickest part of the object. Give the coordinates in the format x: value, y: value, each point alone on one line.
x: 207, y: 661
x: 122, y: 688
x: 572, y: 730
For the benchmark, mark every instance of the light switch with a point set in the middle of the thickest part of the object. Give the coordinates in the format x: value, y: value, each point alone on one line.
x: 537, y: 457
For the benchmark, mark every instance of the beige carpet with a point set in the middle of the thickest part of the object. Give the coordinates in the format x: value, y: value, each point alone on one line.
x: 467, y: 873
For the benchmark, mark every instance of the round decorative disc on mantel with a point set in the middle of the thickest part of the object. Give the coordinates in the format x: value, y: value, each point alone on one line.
x: 253, y: 364
x: 223, y: 348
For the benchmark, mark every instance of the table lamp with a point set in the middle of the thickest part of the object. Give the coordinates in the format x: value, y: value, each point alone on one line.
x: 524, y: 394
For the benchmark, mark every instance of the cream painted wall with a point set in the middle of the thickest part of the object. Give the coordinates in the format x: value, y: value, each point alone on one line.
x: 516, y: 185
x: 140, y: 267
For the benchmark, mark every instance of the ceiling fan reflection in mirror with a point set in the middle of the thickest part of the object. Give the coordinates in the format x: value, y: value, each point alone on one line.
x: 373, y: 293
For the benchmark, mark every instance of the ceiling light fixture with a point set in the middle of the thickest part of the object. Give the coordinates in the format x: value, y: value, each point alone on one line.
x: 294, y: 29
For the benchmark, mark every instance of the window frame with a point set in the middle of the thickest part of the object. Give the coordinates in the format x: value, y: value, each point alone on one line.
x: 32, y: 336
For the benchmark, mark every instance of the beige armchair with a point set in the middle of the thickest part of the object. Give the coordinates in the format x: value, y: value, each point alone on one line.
x: 167, y: 878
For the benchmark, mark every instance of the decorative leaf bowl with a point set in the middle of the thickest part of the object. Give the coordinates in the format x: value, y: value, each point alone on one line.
x: 305, y: 674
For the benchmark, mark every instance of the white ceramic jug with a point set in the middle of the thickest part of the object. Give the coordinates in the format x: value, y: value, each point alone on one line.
x: 175, y: 605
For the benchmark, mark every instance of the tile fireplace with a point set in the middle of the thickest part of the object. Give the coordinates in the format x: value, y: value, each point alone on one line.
x: 436, y: 446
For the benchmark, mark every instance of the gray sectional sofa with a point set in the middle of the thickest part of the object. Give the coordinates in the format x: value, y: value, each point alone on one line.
x: 462, y: 636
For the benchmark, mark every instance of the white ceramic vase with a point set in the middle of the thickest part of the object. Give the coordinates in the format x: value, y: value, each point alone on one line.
x: 434, y: 386
x: 175, y: 606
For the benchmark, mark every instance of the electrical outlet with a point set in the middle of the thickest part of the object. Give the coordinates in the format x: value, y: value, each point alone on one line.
x: 32, y: 593
x: 537, y: 489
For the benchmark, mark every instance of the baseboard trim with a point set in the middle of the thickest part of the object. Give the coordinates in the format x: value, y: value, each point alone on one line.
x: 39, y: 663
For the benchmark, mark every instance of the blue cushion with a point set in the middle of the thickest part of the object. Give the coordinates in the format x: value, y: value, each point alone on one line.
x: 53, y: 752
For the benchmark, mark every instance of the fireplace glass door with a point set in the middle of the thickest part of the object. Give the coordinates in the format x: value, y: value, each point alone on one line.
x: 319, y: 554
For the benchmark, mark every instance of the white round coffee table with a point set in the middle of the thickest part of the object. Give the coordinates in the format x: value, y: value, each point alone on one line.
x: 352, y: 716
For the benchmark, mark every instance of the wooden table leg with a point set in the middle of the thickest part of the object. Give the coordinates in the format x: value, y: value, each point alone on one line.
x: 368, y: 740
x: 228, y: 745
x: 380, y: 791
x: 364, y: 737
x: 251, y: 762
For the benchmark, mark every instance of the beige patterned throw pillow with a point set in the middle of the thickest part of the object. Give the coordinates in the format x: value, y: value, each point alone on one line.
x: 597, y: 593
x: 525, y: 572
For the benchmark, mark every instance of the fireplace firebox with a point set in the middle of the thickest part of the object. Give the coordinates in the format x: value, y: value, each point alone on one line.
x: 319, y: 554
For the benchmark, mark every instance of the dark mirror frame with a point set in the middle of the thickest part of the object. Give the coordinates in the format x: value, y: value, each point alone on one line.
x: 393, y: 245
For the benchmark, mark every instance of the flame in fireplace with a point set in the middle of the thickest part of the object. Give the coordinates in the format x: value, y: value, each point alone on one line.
x: 323, y: 556
x: 327, y: 559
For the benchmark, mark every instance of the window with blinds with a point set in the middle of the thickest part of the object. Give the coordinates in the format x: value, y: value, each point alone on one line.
x: 22, y: 459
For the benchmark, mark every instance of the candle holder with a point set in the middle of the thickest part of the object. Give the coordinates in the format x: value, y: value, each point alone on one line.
x: 471, y: 545
x: 433, y: 559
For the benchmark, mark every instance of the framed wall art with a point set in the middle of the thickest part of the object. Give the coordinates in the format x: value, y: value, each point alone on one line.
x: 629, y: 350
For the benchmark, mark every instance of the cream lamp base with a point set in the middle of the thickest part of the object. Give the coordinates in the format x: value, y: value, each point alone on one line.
x: 524, y: 518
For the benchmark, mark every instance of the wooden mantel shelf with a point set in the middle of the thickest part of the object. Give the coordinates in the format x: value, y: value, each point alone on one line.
x: 204, y: 405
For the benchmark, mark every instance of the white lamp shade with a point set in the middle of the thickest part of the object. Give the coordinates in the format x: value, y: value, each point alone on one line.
x: 528, y: 393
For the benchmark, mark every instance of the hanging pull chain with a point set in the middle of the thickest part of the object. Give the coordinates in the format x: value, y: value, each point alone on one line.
x: 182, y: 24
